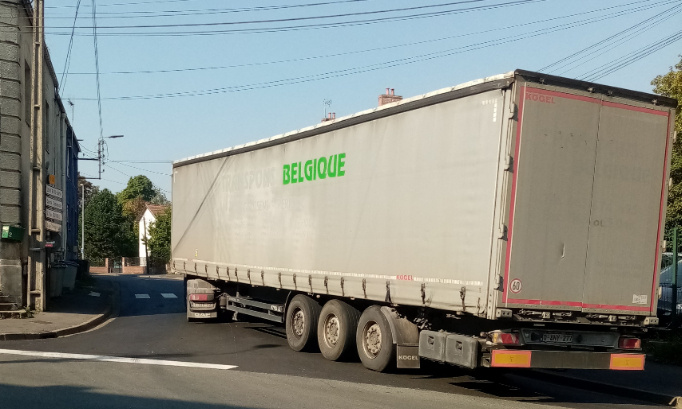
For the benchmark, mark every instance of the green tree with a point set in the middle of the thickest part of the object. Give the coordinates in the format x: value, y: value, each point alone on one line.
x: 105, y: 228
x: 159, y: 198
x: 138, y: 186
x: 88, y: 189
x: 132, y: 199
x: 160, y: 238
x: 670, y: 85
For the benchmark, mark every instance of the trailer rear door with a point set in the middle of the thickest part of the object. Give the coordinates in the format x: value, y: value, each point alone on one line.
x: 587, y: 203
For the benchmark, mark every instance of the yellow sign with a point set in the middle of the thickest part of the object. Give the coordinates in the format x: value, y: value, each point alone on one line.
x: 627, y: 362
x: 509, y: 358
x: 51, y: 179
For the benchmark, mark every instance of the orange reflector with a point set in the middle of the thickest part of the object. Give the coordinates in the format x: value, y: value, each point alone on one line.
x: 627, y: 362
x: 509, y: 358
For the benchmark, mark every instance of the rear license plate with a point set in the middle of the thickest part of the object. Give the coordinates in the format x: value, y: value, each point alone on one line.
x: 557, y: 338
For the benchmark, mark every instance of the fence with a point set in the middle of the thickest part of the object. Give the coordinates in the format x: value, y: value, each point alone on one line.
x: 129, y: 265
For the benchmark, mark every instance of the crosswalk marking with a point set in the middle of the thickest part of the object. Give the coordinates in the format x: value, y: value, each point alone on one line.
x: 103, y: 358
x: 141, y: 295
x: 168, y: 295
x: 94, y: 294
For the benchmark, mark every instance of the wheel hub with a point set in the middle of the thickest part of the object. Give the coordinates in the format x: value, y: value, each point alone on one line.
x: 298, y: 323
x: 331, y: 330
x: 373, y: 339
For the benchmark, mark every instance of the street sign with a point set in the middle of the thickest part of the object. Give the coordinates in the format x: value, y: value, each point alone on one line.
x: 51, y: 226
x: 55, y: 204
x: 53, y: 192
x: 51, y: 214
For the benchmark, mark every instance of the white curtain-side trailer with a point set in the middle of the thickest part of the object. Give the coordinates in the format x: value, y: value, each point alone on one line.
x: 513, y: 221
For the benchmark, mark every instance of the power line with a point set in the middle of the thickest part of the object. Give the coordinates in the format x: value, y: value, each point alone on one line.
x: 630, y: 58
x: 67, y: 63
x: 291, y: 19
x: 582, y: 54
x: 143, y: 161
x: 146, y: 170
x: 114, y: 168
x: 372, y: 67
x: 370, y: 50
x: 125, y: 174
x: 292, y: 28
x: 99, y: 95
x: 240, y: 10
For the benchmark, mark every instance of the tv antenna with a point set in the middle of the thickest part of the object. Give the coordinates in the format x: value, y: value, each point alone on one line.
x: 327, y: 104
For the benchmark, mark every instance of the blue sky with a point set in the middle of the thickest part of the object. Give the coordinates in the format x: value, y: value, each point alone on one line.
x: 184, y: 77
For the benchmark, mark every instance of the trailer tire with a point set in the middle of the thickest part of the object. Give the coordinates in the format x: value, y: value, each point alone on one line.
x: 375, y: 340
x: 301, y: 322
x: 336, y: 329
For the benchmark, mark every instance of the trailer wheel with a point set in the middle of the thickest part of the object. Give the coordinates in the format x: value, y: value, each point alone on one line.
x: 336, y: 330
x: 301, y: 322
x: 375, y: 340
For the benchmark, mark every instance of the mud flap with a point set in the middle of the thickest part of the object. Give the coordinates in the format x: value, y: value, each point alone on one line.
x: 407, y: 356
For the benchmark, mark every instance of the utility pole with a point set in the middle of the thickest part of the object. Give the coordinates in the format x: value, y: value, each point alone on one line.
x: 83, y: 221
x: 100, y: 156
x: 35, y: 285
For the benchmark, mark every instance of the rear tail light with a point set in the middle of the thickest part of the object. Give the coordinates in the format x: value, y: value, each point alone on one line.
x: 199, y: 297
x: 504, y: 338
x: 629, y: 343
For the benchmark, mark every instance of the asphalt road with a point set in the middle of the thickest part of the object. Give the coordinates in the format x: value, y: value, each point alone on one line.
x: 259, y: 370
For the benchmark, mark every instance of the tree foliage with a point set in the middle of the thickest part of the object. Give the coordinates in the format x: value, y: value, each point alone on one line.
x: 670, y: 85
x: 160, y: 238
x: 89, y: 190
x: 159, y: 198
x: 138, y: 186
x: 105, y: 228
x: 111, y: 221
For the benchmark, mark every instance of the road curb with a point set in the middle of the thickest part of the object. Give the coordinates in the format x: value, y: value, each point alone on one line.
x: 111, y: 311
x: 639, y: 394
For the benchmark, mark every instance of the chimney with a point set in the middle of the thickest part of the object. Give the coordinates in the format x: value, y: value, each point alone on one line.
x: 330, y: 117
x: 389, y: 97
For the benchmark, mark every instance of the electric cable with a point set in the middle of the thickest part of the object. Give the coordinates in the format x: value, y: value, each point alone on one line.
x: 371, y: 50
x: 367, y: 68
x: 600, y: 45
x: 67, y: 63
x: 286, y: 28
x: 630, y: 58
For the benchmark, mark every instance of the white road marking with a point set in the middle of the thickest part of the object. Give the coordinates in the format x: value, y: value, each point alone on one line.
x: 104, y: 358
x: 168, y: 295
x: 141, y: 295
x: 94, y: 294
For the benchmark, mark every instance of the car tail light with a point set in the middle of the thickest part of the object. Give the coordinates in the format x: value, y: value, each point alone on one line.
x: 504, y: 338
x: 198, y: 297
x: 629, y: 343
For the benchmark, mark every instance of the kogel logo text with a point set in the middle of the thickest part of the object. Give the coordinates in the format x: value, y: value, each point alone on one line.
x: 313, y: 169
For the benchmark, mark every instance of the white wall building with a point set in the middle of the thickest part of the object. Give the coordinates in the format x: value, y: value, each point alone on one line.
x: 145, y: 220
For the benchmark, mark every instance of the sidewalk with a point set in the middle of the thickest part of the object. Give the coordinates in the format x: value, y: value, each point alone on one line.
x: 86, y: 307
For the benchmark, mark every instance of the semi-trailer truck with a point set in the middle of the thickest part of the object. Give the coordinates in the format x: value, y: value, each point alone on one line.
x: 514, y: 221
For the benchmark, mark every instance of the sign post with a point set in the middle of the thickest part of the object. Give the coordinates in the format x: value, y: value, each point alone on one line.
x: 53, y: 211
